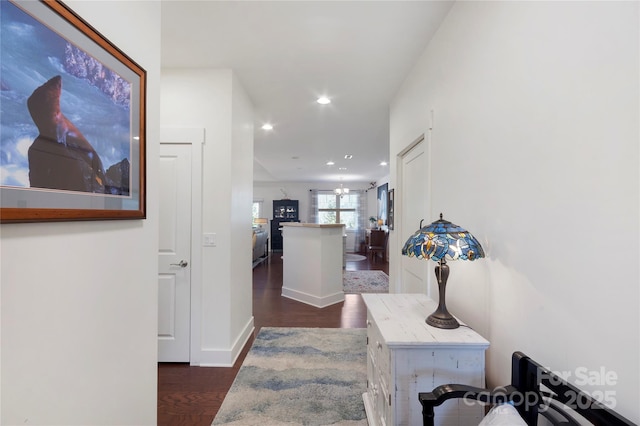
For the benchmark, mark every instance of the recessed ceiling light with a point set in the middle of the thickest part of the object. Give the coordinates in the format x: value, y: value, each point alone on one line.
x: 348, y: 157
x: 330, y: 163
x: 383, y: 163
x: 342, y: 168
x: 323, y: 100
x: 267, y: 126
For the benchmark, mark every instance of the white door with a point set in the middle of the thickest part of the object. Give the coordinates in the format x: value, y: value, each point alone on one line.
x: 174, y: 255
x: 414, y: 175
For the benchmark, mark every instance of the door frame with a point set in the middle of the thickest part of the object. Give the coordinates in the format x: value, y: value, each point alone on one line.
x: 194, y: 136
x: 404, y: 229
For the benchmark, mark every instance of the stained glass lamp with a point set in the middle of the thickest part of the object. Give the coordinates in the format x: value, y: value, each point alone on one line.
x: 442, y: 241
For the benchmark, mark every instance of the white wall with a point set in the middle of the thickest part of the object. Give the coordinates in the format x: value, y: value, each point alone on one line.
x: 535, y: 151
x: 213, y: 99
x: 240, y: 217
x: 79, y: 299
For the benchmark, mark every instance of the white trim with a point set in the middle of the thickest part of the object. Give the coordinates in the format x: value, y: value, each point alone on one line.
x: 310, y: 299
x: 403, y: 230
x: 227, y: 358
x: 192, y: 135
x: 195, y: 137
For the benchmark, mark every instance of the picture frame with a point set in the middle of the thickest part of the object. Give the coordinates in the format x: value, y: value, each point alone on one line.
x: 73, y: 143
x: 382, y: 203
x: 390, y: 207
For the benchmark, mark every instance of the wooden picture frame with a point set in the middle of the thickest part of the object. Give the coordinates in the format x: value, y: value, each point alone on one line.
x: 73, y: 122
x: 390, y: 207
x: 382, y: 203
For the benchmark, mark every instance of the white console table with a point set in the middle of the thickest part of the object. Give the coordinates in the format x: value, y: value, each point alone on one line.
x: 406, y: 356
x: 312, y: 263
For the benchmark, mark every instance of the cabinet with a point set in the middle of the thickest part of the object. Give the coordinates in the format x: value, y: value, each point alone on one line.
x: 283, y: 211
x: 406, y: 356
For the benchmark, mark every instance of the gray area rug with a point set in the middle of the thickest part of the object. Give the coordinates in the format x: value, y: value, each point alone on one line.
x: 300, y: 376
x: 365, y: 282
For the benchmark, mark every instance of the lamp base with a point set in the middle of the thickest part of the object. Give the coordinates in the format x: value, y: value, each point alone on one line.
x: 442, y: 320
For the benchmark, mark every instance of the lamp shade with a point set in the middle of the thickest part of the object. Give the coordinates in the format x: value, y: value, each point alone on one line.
x: 443, y: 240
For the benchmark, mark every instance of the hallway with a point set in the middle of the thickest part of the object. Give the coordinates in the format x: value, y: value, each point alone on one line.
x: 192, y: 395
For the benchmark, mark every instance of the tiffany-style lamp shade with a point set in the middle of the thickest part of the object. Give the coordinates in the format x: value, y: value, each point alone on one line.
x: 442, y: 241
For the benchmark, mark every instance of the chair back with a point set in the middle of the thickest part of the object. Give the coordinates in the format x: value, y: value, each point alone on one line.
x: 377, y: 238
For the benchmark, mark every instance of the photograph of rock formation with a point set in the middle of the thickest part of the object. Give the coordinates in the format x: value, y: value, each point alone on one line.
x: 66, y: 117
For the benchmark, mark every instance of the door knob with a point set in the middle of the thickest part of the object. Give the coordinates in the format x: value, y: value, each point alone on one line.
x: 182, y: 264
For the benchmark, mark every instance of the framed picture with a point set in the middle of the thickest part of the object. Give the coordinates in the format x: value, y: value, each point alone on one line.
x: 382, y: 203
x: 390, y: 209
x: 72, y: 129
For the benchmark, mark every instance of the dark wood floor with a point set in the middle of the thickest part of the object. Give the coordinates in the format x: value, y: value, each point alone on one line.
x: 192, y: 395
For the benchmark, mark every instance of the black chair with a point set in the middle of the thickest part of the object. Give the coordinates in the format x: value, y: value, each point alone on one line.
x: 377, y: 243
x: 534, y: 390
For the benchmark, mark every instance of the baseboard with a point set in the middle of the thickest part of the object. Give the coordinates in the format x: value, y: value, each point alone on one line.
x: 310, y: 299
x: 226, y: 358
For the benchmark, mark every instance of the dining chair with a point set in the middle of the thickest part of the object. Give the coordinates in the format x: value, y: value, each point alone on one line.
x: 377, y: 243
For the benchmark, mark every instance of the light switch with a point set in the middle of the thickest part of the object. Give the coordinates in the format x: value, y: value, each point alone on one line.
x: 210, y: 240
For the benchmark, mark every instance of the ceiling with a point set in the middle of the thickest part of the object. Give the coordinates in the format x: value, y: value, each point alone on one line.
x: 288, y: 53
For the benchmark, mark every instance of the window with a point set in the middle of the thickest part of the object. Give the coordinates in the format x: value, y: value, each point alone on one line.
x: 334, y: 208
x: 349, y: 210
x: 257, y: 209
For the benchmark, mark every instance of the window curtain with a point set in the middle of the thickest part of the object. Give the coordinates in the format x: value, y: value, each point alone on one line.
x: 313, y: 202
x: 362, y: 218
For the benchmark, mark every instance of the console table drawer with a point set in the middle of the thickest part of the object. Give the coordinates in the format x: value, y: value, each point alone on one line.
x: 378, y: 392
x: 379, y: 352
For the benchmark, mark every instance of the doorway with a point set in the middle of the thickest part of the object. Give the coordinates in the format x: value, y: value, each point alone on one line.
x: 179, y: 256
x: 414, y: 206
